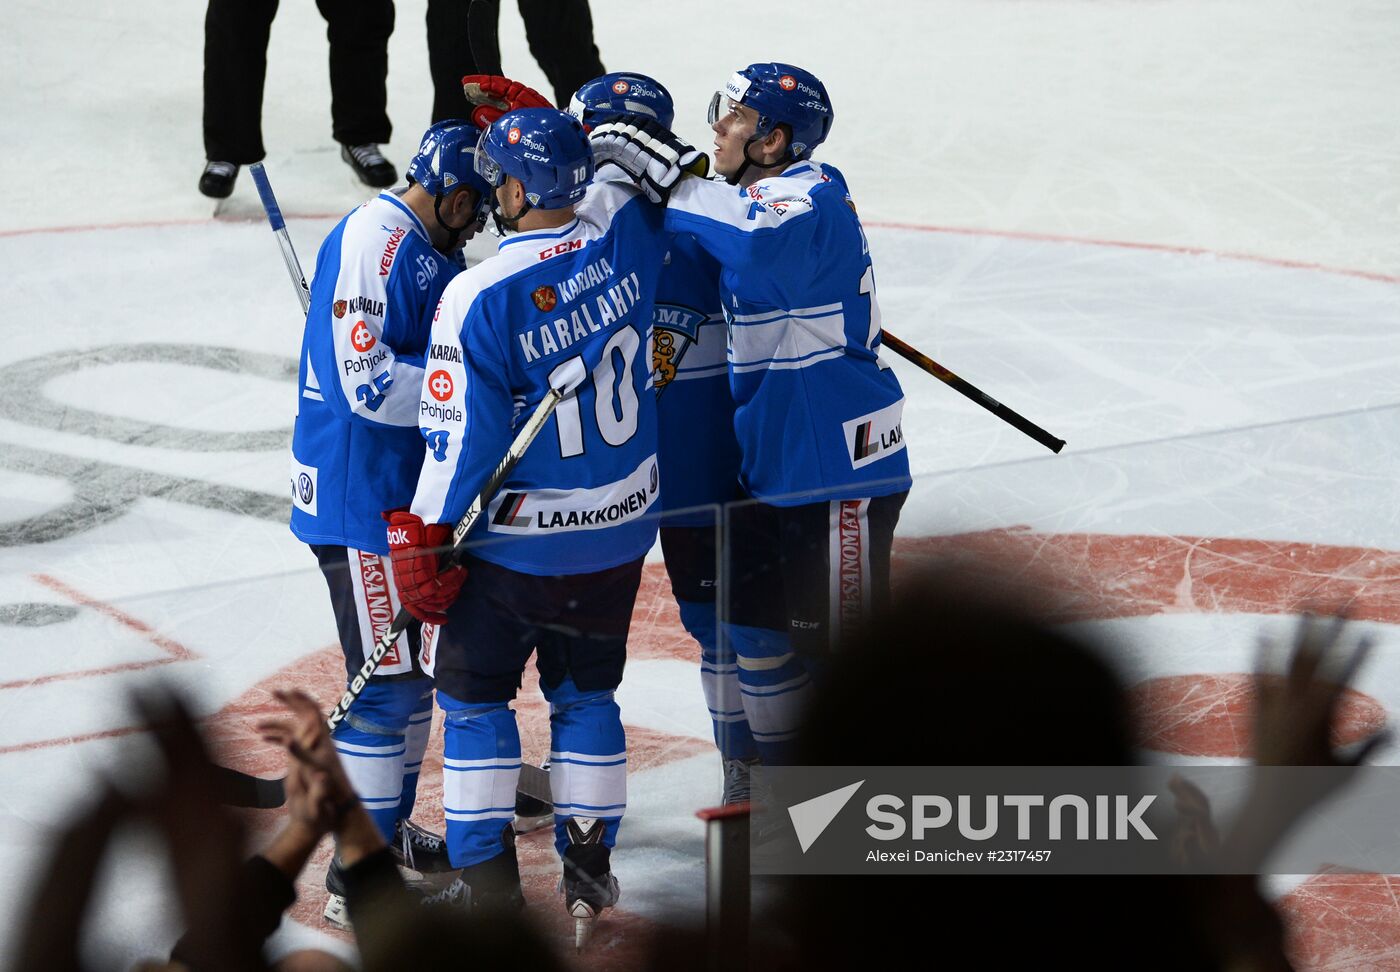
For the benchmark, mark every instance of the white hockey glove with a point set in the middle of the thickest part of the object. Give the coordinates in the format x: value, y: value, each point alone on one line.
x: 651, y: 155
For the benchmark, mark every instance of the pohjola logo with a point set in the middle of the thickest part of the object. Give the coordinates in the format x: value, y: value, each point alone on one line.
x: 1065, y: 816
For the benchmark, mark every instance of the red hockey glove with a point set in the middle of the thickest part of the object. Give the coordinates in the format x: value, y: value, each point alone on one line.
x: 494, y: 95
x: 415, y: 551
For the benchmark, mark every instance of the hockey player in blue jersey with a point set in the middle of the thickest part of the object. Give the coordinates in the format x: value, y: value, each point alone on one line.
x: 356, y: 451
x: 698, y: 454
x: 556, y: 566
x: 817, y: 411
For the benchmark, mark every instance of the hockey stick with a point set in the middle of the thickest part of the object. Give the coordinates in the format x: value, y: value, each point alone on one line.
x: 567, y: 383
x: 483, y: 19
x: 284, y: 239
x: 243, y: 790
x: 1015, y: 419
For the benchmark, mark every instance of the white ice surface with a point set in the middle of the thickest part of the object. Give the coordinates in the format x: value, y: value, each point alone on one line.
x: 1234, y: 375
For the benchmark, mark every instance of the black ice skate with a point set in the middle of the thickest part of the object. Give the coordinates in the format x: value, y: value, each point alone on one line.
x: 588, y: 884
x: 418, y: 849
x: 217, y: 180
x: 492, y: 884
x: 336, y: 913
x: 738, y: 781
x: 370, y: 165
x: 496, y: 884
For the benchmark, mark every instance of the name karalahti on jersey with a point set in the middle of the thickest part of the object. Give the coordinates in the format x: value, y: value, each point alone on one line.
x: 588, y: 317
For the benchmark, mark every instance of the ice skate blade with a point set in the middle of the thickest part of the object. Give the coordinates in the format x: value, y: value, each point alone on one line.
x: 336, y: 913
x: 584, y: 921
x: 528, y: 825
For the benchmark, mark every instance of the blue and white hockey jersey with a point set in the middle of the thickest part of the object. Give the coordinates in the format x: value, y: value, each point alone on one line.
x: 695, y: 411
x: 584, y: 496
x: 817, y: 413
x: 356, y: 449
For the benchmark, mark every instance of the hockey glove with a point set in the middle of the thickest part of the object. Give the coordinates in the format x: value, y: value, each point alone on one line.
x: 651, y: 155
x: 414, y: 551
x: 494, y: 95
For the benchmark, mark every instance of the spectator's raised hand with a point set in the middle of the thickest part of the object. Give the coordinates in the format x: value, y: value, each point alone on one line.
x: 317, y: 788
x: 1194, y: 838
x: 318, y: 791
x: 1295, y: 713
x: 1295, y: 718
x: 205, y: 841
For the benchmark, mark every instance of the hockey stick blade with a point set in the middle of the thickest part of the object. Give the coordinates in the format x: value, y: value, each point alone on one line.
x: 243, y: 790
x: 235, y: 789
x: 534, y: 783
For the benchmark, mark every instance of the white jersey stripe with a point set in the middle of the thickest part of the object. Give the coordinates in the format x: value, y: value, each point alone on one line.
x: 766, y: 316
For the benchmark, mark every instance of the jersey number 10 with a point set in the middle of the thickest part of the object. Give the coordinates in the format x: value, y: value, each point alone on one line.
x: 615, y: 402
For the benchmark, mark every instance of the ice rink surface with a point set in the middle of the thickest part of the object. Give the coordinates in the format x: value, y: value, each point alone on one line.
x: 1169, y: 232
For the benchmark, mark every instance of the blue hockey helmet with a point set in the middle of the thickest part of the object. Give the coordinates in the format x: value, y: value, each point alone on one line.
x: 782, y: 95
x: 446, y: 159
x: 621, y: 93
x: 545, y: 149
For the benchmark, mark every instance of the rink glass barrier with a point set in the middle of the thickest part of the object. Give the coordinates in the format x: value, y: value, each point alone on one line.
x: 1177, y: 554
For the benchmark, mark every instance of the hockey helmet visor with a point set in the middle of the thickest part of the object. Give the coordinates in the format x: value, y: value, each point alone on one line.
x: 488, y: 168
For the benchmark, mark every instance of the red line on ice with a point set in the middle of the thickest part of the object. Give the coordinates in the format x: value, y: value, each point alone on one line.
x: 1133, y: 245
x: 879, y: 224
x: 68, y: 740
x: 175, y: 650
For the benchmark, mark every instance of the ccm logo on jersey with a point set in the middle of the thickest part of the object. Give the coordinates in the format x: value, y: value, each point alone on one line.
x: 568, y: 246
x: 390, y: 249
x: 872, y: 437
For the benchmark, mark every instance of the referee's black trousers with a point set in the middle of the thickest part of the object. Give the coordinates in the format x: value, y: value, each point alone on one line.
x: 235, y: 65
x: 559, y: 32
